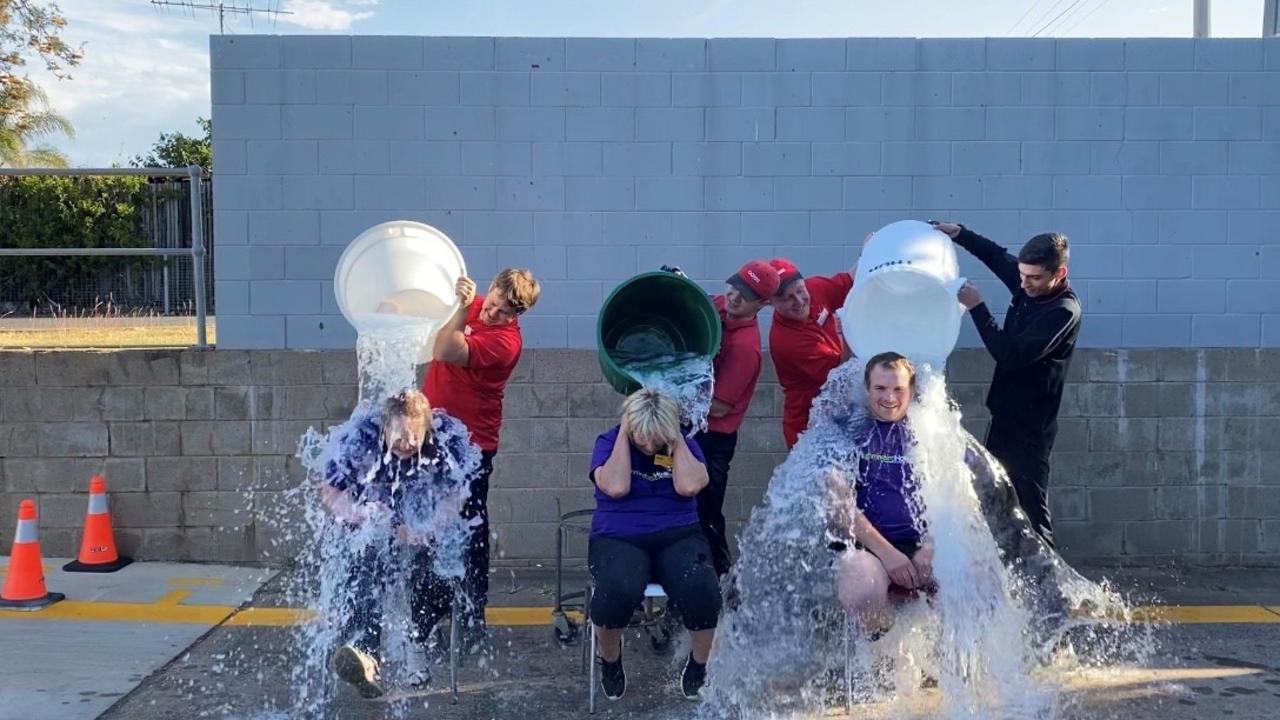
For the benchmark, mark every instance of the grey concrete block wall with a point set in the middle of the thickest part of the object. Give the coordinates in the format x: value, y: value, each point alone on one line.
x: 1162, y: 454
x: 590, y: 159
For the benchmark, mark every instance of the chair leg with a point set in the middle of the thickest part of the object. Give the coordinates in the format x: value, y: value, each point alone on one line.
x: 591, y: 657
x: 454, y: 640
x: 848, y: 666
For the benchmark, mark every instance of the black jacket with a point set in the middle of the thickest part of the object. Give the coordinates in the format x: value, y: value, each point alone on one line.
x: 1033, y: 350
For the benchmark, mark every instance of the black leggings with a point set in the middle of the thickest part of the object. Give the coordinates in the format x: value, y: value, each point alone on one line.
x: 679, y: 559
x: 1024, y: 453
x: 430, y: 596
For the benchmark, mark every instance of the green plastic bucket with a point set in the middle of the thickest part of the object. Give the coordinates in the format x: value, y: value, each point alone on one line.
x: 652, y: 314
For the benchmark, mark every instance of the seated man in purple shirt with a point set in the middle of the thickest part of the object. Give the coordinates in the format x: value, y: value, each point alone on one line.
x: 647, y: 475
x: 890, y: 553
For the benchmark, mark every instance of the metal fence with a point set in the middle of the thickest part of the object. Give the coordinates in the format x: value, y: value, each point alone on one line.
x: 152, y: 257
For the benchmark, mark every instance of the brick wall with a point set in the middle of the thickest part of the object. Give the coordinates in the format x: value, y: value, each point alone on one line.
x: 591, y: 159
x: 1161, y: 453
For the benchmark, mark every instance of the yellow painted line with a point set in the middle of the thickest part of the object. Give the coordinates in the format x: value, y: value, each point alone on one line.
x: 169, y: 609
x: 173, y: 597
x: 128, y: 612
x: 1207, y: 614
x: 196, y: 581
x: 270, y: 617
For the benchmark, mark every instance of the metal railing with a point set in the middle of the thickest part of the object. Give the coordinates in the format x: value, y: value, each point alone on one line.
x: 196, y: 251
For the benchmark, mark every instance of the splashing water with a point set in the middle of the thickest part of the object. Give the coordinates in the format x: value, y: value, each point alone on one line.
x: 1006, y: 601
x: 686, y: 377
x: 425, y: 497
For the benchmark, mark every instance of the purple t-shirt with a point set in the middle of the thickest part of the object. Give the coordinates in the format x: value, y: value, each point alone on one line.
x: 653, y: 503
x: 886, y: 488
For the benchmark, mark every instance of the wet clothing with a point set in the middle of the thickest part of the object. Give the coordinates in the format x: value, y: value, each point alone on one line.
x: 652, y: 504
x: 1033, y: 354
x: 886, y: 488
x: 737, y: 369
x: 476, y: 582
x: 473, y: 393
x: 360, y: 463
x: 370, y: 581
x: 804, y: 353
x: 676, y: 558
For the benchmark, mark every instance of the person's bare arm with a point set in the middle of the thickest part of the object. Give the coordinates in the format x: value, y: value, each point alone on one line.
x: 614, y: 476
x: 687, y: 472
x: 451, y: 340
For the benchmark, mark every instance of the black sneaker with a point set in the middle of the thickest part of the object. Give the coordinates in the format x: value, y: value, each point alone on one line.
x: 692, y: 678
x: 613, y: 679
x: 358, y: 668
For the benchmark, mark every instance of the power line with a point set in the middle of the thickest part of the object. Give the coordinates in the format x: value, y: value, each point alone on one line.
x: 1061, y: 15
x: 1086, y: 16
x: 1047, y: 13
x: 222, y: 9
x: 1027, y: 12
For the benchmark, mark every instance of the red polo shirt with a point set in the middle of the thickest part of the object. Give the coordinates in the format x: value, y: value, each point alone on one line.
x: 737, y: 368
x: 805, y: 352
x: 473, y: 394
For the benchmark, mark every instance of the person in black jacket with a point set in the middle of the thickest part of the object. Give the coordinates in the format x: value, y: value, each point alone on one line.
x: 1032, y: 353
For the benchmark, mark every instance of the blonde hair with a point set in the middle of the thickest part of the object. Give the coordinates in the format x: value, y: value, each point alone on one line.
x: 651, y: 415
x: 519, y: 287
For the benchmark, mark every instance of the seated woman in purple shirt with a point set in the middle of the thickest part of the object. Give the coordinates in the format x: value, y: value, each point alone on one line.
x: 647, y: 474
x: 890, y: 551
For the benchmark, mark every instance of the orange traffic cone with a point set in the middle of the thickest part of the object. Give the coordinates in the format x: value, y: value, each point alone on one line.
x: 24, y: 586
x: 98, y: 549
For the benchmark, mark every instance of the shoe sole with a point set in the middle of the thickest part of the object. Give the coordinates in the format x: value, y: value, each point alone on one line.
x: 348, y: 667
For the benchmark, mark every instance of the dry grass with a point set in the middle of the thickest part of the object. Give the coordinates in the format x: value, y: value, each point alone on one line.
x: 84, y: 334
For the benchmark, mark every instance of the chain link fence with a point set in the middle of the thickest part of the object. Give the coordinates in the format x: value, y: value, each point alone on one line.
x: 105, y: 252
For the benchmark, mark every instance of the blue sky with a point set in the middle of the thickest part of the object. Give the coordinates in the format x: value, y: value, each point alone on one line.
x: 146, y: 69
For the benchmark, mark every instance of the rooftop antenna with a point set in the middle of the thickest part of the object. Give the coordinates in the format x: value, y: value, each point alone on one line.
x: 222, y: 8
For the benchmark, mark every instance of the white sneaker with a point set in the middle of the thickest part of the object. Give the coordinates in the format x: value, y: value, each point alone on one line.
x: 358, y: 668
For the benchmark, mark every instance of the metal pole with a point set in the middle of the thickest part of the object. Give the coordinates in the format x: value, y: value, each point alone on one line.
x: 197, y: 252
x: 1270, y: 18
x: 1200, y: 27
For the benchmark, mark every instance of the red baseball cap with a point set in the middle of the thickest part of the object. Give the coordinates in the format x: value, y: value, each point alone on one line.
x: 756, y: 279
x: 787, y: 272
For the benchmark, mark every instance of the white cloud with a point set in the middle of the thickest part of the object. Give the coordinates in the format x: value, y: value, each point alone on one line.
x: 324, y: 14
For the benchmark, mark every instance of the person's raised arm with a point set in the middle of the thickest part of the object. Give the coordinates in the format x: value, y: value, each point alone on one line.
x: 995, y: 257
x: 614, y: 476
x: 688, y: 473
x: 1042, y: 336
x: 451, y: 340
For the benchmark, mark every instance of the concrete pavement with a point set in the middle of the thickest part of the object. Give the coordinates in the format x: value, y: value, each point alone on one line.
x: 147, y: 635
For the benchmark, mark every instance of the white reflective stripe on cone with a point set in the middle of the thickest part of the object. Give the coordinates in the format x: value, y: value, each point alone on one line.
x: 97, y: 503
x: 26, y: 532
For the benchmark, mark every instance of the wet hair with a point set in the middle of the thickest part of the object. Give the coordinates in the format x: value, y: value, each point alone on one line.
x: 651, y: 415
x: 1048, y: 250
x: 408, y: 404
x: 520, y: 288
x: 890, y: 361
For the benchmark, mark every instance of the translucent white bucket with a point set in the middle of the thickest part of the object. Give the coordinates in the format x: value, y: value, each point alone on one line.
x: 398, y: 277
x: 904, y: 295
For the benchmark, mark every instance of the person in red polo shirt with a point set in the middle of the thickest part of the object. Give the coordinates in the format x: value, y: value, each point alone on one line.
x: 805, y: 340
x: 737, y: 367
x: 473, y: 357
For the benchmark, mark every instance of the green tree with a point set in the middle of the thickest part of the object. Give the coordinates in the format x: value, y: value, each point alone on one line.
x: 30, y: 30
x: 179, y: 150
x: 20, y: 134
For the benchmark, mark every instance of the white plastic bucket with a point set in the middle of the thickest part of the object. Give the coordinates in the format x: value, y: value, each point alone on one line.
x: 398, y: 276
x: 904, y: 295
